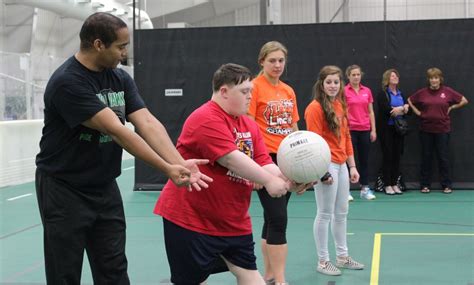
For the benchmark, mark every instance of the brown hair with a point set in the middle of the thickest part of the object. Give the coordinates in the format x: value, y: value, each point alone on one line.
x: 231, y: 74
x: 434, y: 72
x: 268, y: 48
x: 352, y: 67
x: 324, y: 100
x: 386, y: 77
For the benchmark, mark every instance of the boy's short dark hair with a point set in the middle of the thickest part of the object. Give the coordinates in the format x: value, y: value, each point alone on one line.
x: 230, y: 73
x: 101, y: 26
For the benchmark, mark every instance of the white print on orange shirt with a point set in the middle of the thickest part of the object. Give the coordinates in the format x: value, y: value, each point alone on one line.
x: 278, y: 116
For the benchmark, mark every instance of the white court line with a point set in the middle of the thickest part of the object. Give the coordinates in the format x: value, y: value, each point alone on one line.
x: 128, y: 168
x: 19, y: 197
x: 29, y: 269
x: 21, y: 159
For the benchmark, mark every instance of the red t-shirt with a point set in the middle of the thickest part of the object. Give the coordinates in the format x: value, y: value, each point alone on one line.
x: 433, y: 105
x: 222, y: 209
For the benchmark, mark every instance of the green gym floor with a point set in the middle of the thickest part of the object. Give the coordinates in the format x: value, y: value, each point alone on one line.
x: 414, y: 239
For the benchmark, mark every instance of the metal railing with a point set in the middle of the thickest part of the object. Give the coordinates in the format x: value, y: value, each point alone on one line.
x: 23, y: 78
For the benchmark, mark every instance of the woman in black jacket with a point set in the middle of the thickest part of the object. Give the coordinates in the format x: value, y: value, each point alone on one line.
x: 391, y: 103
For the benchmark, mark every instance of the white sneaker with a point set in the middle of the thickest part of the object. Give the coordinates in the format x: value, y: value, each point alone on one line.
x: 367, y: 194
x: 350, y: 198
x: 328, y: 268
x: 349, y: 263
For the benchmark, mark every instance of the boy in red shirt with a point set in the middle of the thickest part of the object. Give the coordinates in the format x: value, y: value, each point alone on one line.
x: 201, y: 227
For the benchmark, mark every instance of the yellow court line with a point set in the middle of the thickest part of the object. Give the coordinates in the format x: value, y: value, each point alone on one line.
x: 427, y: 234
x: 374, y: 274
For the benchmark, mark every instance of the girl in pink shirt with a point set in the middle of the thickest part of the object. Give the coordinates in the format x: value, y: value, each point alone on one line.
x: 361, y: 124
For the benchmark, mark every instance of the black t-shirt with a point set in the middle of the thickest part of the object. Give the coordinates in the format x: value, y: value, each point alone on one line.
x: 70, y: 151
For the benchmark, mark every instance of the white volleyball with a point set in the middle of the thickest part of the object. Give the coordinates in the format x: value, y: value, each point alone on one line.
x: 304, y: 156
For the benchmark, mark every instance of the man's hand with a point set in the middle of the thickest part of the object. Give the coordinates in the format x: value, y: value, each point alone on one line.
x: 197, y: 179
x: 179, y: 174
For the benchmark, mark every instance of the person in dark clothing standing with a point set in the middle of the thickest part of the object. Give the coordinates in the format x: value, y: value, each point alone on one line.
x: 391, y: 103
x: 433, y: 105
x: 87, y: 101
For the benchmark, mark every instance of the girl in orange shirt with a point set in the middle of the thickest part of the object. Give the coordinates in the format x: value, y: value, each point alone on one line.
x: 273, y: 107
x: 326, y: 115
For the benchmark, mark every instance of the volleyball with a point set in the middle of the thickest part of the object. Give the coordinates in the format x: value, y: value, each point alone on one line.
x: 303, y: 156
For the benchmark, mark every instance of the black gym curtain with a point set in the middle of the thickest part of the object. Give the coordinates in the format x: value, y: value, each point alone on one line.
x: 187, y: 58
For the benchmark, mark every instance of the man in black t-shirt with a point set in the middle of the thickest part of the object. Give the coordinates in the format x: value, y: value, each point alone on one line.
x: 87, y: 101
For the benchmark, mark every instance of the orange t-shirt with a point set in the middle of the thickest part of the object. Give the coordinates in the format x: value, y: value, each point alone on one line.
x: 274, y: 109
x: 316, y: 122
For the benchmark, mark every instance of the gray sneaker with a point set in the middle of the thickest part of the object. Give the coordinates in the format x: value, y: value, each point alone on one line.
x: 328, y: 268
x: 270, y: 282
x: 349, y: 263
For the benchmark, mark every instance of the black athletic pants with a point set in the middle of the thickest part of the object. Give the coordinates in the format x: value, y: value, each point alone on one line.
x: 275, y: 215
x: 392, y: 146
x: 75, y: 220
x: 432, y: 144
x: 361, y: 145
